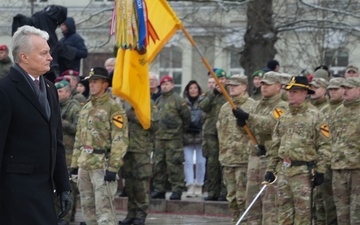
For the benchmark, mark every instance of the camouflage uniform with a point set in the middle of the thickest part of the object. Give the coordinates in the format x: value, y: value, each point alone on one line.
x: 174, y: 119
x: 79, y: 97
x: 137, y: 166
x: 301, y: 138
x: 211, y: 105
x: 233, y: 156
x: 262, y: 121
x: 102, y: 127
x: 69, y: 113
x: 346, y: 157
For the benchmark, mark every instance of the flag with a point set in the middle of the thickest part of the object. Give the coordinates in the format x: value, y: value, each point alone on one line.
x: 165, y: 23
x: 131, y: 82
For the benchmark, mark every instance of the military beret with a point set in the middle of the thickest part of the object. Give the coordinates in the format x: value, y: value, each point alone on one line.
x: 61, y: 84
x: 166, y: 78
x: 219, y: 72
x: 4, y: 48
x: 71, y: 73
x: 58, y: 79
x: 259, y: 73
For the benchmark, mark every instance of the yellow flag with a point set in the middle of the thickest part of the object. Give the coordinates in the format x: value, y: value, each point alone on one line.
x: 165, y: 23
x: 131, y: 82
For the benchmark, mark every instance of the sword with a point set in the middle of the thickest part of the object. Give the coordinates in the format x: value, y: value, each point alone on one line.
x: 265, y: 184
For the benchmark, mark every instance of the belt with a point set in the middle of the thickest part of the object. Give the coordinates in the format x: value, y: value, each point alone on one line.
x: 301, y: 163
x: 100, y: 151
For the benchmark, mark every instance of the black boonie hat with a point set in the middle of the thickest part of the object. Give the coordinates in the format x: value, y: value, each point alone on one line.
x: 299, y: 82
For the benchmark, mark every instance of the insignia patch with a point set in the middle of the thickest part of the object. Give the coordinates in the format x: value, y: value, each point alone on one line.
x: 325, y: 130
x: 278, y: 113
x: 118, y: 121
x: 183, y: 104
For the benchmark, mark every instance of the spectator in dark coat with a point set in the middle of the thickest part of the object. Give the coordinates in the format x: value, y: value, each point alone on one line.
x: 74, y: 43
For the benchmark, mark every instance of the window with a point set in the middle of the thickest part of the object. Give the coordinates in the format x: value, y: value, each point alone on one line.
x: 235, y: 67
x: 170, y: 59
x: 336, y: 57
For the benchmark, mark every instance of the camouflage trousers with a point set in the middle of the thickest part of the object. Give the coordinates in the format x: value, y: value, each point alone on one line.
x: 346, y: 190
x: 324, y: 202
x: 293, y: 199
x: 97, y: 197
x: 264, y: 210
x: 235, y: 182
x: 137, y: 171
x: 214, y: 178
x: 168, y: 163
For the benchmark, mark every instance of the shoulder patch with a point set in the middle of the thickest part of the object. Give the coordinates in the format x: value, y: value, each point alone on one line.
x: 118, y: 120
x: 278, y: 112
x: 183, y: 104
x: 325, y: 130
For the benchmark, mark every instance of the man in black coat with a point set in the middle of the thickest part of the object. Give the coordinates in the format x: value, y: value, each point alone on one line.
x: 32, y: 155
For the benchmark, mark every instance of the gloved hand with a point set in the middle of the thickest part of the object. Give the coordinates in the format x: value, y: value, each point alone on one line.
x: 66, y: 203
x: 216, y: 92
x: 74, y: 171
x: 318, y: 179
x: 240, y: 114
x: 110, y: 176
x: 240, y: 122
x: 269, y: 177
x: 261, y: 150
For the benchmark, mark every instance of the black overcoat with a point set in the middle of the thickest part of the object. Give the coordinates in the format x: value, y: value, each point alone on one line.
x: 32, y: 155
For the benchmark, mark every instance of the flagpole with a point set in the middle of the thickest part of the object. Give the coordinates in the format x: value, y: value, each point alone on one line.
x: 248, y: 131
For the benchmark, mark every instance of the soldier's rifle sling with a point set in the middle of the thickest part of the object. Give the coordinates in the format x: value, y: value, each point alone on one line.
x: 246, y: 128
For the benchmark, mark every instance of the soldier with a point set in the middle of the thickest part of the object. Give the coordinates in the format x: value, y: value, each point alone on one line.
x: 74, y: 78
x: 233, y: 141
x: 155, y: 90
x: 174, y: 119
x: 319, y: 98
x: 257, y: 77
x: 300, y: 154
x: 267, y: 111
x: 336, y: 92
x: 211, y: 104
x: 137, y: 167
x: 211, y: 83
x: 69, y: 114
x: 285, y: 79
x: 351, y: 71
x: 100, y: 145
x: 5, y: 61
x: 346, y: 154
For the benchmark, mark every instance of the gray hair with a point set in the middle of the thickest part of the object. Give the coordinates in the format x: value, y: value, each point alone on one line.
x: 155, y: 75
x: 21, y: 40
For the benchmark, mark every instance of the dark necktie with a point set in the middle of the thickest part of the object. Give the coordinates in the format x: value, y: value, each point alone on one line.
x: 36, y: 81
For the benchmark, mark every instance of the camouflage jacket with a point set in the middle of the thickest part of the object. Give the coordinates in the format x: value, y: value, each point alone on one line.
x: 301, y: 134
x: 346, y: 129
x: 70, y: 109
x: 263, y: 120
x: 79, y: 97
x: 102, y: 125
x: 333, y: 105
x: 233, y: 140
x: 211, y: 105
x: 5, y: 65
x: 174, y: 116
x: 321, y: 104
x: 140, y: 140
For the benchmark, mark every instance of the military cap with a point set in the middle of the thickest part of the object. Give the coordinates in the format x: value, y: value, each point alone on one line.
x: 219, y: 72
x: 319, y: 82
x: 285, y: 78
x: 61, y: 84
x: 351, y: 82
x: 238, y: 79
x: 335, y: 82
x: 321, y: 73
x: 299, y: 82
x: 4, y: 48
x: 271, y: 78
x: 259, y: 73
x: 71, y: 73
x: 166, y: 78
x: 98, y: 73
x: 351, y: 68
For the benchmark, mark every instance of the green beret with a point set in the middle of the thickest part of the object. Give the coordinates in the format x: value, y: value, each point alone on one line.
x: 259, y: 73
x: 61, y: 84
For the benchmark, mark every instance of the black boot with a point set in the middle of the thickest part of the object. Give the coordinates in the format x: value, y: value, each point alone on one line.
x: 158, y: 195
x: 175, y: 196
x: 139, y: 221
x: 127, y: 221
x: 211, y: 198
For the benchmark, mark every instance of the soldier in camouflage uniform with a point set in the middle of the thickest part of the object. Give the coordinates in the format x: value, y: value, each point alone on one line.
x: 137, y: 166
x: 211, y: 104
x: 346, y: 155
x: 285, y: 79
x: 324, y: 203
x: 74, y: 78
x: 336, y: 92
x: 69, y: 113
x: 300, y: 154
x: 257, y: 77
x: 174, y: 119
x: 100, y: 145
x: 233, y: 141
x: 268, y: 110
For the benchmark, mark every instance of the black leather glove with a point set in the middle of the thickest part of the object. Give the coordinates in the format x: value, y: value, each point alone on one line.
x: 240, y: 122
x: 74, y: 171
x: 269, y: 177
x: 261, y: 150
x: 66, y: 203
x: 110, y: 176
x: 240, y: 114
x: 216, y: 92
x: 318, y: 179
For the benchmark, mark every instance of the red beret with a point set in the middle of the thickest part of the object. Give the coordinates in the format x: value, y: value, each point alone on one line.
x: 71, y: 73
x: 166, y: 78
x: 58, y: 79
x: 3, y: 47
